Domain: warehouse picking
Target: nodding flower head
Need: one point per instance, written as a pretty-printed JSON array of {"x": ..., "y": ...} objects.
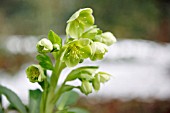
[
  {"x": 44, "y": 46},
  {"x": 35, "y": 73},
  {"x": 98, "y": 50},
  {"x": 79, "y": 21}
]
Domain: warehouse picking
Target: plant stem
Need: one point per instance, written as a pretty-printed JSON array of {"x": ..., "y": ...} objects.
[{"x": 50, "y": 103}]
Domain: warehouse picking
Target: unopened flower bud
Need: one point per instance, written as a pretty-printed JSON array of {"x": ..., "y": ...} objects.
[
  {"x": 98, "y": 50},
  {"x": 86, "y": 87},
  {"x": 35, "y": 73},
  {"x": 108, "y": 38},
  {"x": 96, "y": 82},
  {"x": 104, "y": 77},
  {"x": 56, "y": 47},
  {"x": 44, "y": 46}
]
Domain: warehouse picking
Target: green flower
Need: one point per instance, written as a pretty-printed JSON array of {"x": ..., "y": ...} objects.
[
  {"x": 35, "y": 73},
  {"x": 86, "y": 87},
  {"x": 108, "y": 38},
  {"x": 98, "y": 50},
  {"x": 104, "y": 77},
  {"x": 75, "y": 51},
  {"x": 44, "y": 46},
  {"x": 79, "y": 21}
]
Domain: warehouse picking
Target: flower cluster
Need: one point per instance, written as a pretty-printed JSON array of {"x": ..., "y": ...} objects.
[
  {"x": 88, "y": 38},
  {"x": 84, "y": 40}
]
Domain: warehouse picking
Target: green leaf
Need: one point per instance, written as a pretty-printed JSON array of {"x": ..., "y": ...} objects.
[
  {"x": 79, "y": 72},
  {"x": 34, "y": 101},
  {"x": 54, "y": 38},
  {"x": 13, "y": 99},
  {"x": 45, "y": 61},
  {"x": 78, "y": 110},
  {"x": 67, "y": 99}
]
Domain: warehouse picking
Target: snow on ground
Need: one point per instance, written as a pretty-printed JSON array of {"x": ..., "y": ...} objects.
[{"x": 140, "y": 69}]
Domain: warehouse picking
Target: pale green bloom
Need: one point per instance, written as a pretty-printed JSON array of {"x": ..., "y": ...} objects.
[
  {"x": 104, "y": 77},
  {"x": 86, "y": 87},
  {"x": 108, "y": 38},
  {"x": 44, "y": 46},
  {"x": 35, "y": 73},
  {"x": 75, "y": 51},
  {"x": 79, "y": 21},
  {"x": 98, "y": 50}
]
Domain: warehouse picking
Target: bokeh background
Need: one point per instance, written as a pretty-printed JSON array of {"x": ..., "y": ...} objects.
[{"x": 139, "y": 61}]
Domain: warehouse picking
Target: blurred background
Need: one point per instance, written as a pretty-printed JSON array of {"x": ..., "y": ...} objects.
[{"x": 139, "y": 61}]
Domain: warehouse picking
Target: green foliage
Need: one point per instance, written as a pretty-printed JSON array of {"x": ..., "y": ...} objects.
[
  {"x": 45, "y": 61},
  {"x": 55, "y": 39},
  {"x": 13, "y": 99},
  {"x": 34, "y": 101},
  {"x": 67, "y": 99}
]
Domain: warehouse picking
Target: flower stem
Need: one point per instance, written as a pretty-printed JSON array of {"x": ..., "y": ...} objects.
[{"x": 50, "y": 103}]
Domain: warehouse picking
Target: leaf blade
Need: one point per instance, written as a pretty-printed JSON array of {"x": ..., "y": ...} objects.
[{"x": 13, "y": 99}]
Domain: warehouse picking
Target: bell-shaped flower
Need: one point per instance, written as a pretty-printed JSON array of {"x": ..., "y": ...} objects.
[
  {"x": 104, "y": 77},
  {"x": 98, "y": 50},
  {"x": 86, "y": 87},
  {"x": 75, "y": 51},
  {"x": 44, "y": 46},
  {"x": 35, "y": 73},
  {"x": 79, "y": 21},
  {"x": 108, "y": 38}
]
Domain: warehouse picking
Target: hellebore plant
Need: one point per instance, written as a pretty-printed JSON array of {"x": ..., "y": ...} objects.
[{"x": 83, "y": 40}]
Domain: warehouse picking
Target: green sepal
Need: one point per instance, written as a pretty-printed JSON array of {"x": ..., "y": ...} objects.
[
  {"x": 79, "y": 21},
  {"x": 45, "y": 61},
  {"x": 75, "y": 51},
  {"x": 35, "y": 73},
  {"x": 91, "y": 33},
  {"x": 80, "y": 72}
]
